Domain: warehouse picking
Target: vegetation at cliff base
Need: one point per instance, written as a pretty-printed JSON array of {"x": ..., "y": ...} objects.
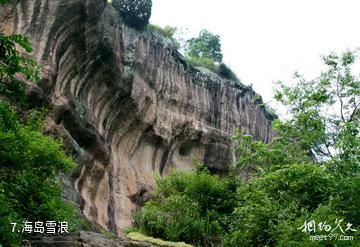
[
  {"x": 190, "y": 207},
  {"x": 29, "y": 165},
  {"x": 304, "y": 182}
]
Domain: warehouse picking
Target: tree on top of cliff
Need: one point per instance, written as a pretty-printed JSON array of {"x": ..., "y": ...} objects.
[
  {"x": 207, "y": 45},
  {"x": 205, "y": 51},
  {"x": 136, "y": 13}
]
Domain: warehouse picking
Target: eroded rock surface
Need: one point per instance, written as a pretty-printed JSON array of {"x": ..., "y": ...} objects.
[{"x": 127, "y": 104}]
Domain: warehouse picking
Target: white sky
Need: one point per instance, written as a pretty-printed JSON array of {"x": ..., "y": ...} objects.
[{"x": 268, "y": 40}]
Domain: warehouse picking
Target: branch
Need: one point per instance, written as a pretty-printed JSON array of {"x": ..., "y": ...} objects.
[
  {"x": 353, "y": 113},
  {"x": 340, "y": 98},
  {"x": 328, "y": 153}
]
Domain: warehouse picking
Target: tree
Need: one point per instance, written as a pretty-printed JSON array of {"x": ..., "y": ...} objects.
[
  {"x": 310, "y": 170},
  {"x": 136, "y": 13},
  {"x": 324, "y": 123},
  {"x": 207, "y": 45},
  {"x": 326, "y": 114},
  {"x": 13, "y": 63}
]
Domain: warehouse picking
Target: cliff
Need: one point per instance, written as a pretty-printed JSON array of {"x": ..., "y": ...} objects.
[{"x": 127, "y": 104}]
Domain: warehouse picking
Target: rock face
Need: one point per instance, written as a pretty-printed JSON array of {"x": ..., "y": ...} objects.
[{"x": 127, "y": 104}]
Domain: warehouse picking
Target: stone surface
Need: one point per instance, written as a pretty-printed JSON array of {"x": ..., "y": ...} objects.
[
  {"x": 127, "y": 104},
  {"x": 81, "y": 239}
]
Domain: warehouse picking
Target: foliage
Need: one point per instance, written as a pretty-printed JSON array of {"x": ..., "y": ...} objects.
[
  {"x": 136, "y": 13},
  {"x": 326, "y": 114},
  {"x": 202, "y": 62},
  {"x": 324, "y": 124},
  {"x": 191, "y": 207},
  {"x": 29, "y": 165},
  {"x": 307, "y": 171},
  {"x": 205, "y": 51},
  {"x": 222, "y": 70},
  {"x": 259, "y": 157},
  {"x": 11, "y": 62},
  {"x": 4, "y": 1},
  {"x": 167, "y": 31},
  {"x": 207, "y": 45},
  {"x": 226, "y": 72},
  {"x": 289, "y": 234},
  {"x": 7, "y": 216},
  {"x": 281, "y": 195}
]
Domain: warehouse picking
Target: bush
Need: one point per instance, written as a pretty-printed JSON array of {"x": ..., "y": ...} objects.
[
  {"x": 288, "y": 233},
  {"x": 204, "y": 210},
  {"x": 202, "y": 62},
  {"x": 190, "y": 207},
  {"x": 166, "y": 31},
  {"x": 226, "y": 72},
  {"x": 272, "y": 207},
  {"x": 222, "y": 70},
  {"x": 136, "y": 13}
]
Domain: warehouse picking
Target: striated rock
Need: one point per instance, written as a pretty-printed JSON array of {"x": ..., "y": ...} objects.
[{"x": 127, "y": 104}]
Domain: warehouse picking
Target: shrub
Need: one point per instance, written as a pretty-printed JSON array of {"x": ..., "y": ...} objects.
[
  {"x": 288, "y": 233},
  {"x": 202, "y": 62},
  {"x": 272, "y": 207},
  {"x": 190, "y": 207},
  {"x": 167, "y": 31},
  {"x": 222, "y": 70},
  {"x": 226, "y": 72},
  {"x": 136, "y": 13}
]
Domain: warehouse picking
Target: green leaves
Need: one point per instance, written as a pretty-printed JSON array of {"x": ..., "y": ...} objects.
[
  {"x": 207, "y": 45},
  {"x": 11, "y": 62},
  {"x": 5, "y": 1},
  {"x": 325, "y": 113},
  {"x": 191, "y": 207},
  {"x": 136, "y": 13},
  {"x": 310, "y": 169},
  {"x": 22, "y": 41},
  {"x": 29, "y": 166}
]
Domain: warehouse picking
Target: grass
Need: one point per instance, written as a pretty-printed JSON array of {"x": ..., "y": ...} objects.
[
  {"x": 166, "y": 31},
  {"x": 220, "y": 69},
  {"x": 136, "y": 236},
  {"x": 202, "y": 62}
]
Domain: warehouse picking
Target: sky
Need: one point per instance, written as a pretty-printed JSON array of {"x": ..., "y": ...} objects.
[{"x": 265, "y": 41}]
